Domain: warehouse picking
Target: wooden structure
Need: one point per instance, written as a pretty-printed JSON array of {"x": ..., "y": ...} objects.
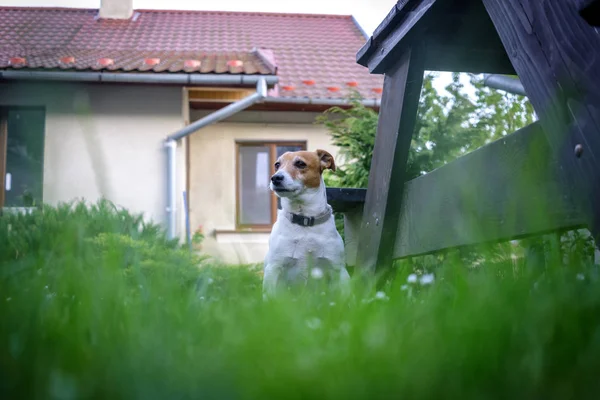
[{"x": 540, "y": 179}]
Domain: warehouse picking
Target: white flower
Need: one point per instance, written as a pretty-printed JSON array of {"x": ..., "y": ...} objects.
[
  {"x": 316, "y": 273},
  {"x": 580, "y": 277},
  {"x": 209, "y": 281},
  {"x": 412, "y": 278},
  {"x": 427, "y": 279},
  {"x": 313, "y": 323},
  {"x": 403, "y": 287},
  {"x": 332, "y": 304},
  {"x": 380, "y": 295}
]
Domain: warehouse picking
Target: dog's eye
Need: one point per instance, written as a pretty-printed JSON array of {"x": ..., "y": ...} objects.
[
  {"x": 277, "y": 165},
  {"x": 300, "y": 164}
]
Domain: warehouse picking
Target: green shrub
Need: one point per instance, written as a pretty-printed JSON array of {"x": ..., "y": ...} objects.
[
  {"x": 100, "y": 310},
  {"x": 101, "y": 231}
]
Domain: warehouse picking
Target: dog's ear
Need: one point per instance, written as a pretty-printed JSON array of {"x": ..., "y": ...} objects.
[{"x": 326, "y": 160}]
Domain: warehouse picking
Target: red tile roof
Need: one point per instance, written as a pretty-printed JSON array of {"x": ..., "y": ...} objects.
[
  {"x": 313, "y": 55},
  {"x": 137, "y": 61}
]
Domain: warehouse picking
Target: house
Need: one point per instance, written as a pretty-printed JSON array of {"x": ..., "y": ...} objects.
[{"x": 89, "y": 97}]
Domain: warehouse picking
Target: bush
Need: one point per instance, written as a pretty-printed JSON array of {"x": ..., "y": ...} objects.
[
  {"x": 107, "y": 235},
  {"x": 98, "y": 308}
]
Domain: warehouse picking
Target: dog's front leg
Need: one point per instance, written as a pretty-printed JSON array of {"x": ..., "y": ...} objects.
[{"x": 270, "y": 279}]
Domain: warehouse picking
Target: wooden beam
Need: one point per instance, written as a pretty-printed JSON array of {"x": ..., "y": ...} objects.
[
  {"x": 380, "y": 53},
  {"x": 556, "y": 54},
  {"x": 455, "y": 57},
  {"x": 352, "y": 222},
  {"x": 506, "y": 190},
  {"x": 267, "y": 106},
  {"x": 345, "y": 199},
  {"x": 458, "y": 33},
  {"x": 401, "y": 90},
  {"x": 590, "y": 11}
]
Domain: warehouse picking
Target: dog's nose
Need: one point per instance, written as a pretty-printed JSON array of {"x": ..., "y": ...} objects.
[{"x": 277, "y": 179}]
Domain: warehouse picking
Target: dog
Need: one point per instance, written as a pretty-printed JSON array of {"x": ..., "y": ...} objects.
[{"x": 304, "y": 243}]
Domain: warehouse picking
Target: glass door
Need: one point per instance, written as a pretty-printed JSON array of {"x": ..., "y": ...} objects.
[{"x": 22, "y": 157}]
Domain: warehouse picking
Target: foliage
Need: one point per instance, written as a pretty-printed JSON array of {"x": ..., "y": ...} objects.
[
  {"x": 447, "y": 126},
  {"x": 103, "y": 232},
  {"x": 498, "y": 113},
  {"x": 74, "y": 326},
  {"x": 353, "y": 132},
  {"x": 441, "y": 130}
]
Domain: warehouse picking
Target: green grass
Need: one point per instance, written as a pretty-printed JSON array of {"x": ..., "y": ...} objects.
[{"x": 96, "y": 305}]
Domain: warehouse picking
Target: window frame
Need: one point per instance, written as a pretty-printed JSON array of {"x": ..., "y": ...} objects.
[
  {"x": 4, "y": 114},
  {"x": 272, "y": 145}
]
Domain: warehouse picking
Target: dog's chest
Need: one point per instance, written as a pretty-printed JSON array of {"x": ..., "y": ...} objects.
[{"x": 291, "y": 241}]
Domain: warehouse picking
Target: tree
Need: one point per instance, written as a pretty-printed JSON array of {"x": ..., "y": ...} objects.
[
  {"x": 498, "y": 113},
  {"x": 447, "y": 127}
]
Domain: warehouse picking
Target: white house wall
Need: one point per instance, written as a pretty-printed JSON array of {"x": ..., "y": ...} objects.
[
  {"x": 212, "y": 178},
  {"x": 105, "y": 141}
]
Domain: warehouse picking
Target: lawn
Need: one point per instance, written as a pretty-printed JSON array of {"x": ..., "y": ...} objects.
[{"x": 96, "y": 304}]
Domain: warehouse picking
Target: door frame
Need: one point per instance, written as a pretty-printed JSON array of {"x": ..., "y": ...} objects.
[{"x": 4, "y": 109}]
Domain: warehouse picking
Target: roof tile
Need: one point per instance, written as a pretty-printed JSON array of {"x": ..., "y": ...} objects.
[{"x": 308, "y": 52}]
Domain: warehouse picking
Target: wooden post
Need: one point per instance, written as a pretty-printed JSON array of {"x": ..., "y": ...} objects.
[
  {"x": 556, "y": 54},
  {"x": 401, "y": 91},
  {"x": 352, "y": 221}
]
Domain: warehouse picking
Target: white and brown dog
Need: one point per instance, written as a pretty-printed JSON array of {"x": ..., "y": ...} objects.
[{"x": 304, "y": 241}]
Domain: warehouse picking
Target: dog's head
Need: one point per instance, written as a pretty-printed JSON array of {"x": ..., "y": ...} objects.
[{"x": 298, "y": 171}]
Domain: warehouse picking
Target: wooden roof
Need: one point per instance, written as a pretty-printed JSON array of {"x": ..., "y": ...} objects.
[{"x": 457, "y": 35}]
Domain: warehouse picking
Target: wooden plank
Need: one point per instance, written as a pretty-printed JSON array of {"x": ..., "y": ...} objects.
[
  {"x": 456, "y": 57},
  {"x": 401, "y": 90},
  {"x": 505, "y": 190},
  {"x": 345, "y": 199},
  {"x": 384, "y": 49},
  {"x": 556, "y": 54},
  {"x": 590, "y": 11},
  {"x": 3, "y": 141},
  {"x": 459, "y": 36},
  {"x": 352, "y": 222},
  {"x": 516, "y": 193}
]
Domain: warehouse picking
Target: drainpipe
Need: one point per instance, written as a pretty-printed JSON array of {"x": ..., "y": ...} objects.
[
  {"x": 505, "y": 83},
  {"x": 171, "y": 145}
]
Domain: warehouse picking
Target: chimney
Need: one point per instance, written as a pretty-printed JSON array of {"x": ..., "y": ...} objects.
[{"x": 116, "y": 9}]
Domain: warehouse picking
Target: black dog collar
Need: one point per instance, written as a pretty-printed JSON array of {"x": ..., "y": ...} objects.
[{"x": 303, "y": 220}]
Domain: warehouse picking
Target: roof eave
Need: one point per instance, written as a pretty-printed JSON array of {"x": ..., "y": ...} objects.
[
  {"x": 139, "y": 78},
  {"x": 395, "y": 27},
  {"x": 360, "y": 28}
]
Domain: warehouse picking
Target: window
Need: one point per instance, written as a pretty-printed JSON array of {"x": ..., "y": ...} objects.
[
  {"x": 21, "y": 156},
  {"x": 256, "y": 204}
]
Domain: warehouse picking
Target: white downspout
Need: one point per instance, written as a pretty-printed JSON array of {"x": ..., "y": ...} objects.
[{"x": 171, "y": 146}]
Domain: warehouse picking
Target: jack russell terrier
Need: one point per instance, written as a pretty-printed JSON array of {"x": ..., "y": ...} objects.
[{"x": 304, "y": 241}]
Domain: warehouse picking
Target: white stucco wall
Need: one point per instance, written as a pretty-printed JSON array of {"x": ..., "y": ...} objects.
[
  {"x": 212, "y": 177},
  {"x": 106, "y": 141}
]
